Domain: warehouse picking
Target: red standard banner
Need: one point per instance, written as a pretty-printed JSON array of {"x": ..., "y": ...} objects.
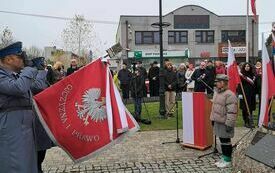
[{"x": 83, "y": 113}]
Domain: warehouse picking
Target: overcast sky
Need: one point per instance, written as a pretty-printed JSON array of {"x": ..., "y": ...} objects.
[{"x": 47, "y": 32}]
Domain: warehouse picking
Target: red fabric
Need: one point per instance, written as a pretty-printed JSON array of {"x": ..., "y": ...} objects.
[
  {"x": 271, "y": 89},
  {"x": 60, "y": 105},
  {"x": 199, "y": 119},
  {"x": 253, "y": 7},
  {"x": 115, "y": 108},
  {"x": 234, "y": 77}
]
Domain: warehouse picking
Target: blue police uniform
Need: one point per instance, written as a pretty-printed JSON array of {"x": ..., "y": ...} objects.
[{"x": 17, "y": 146}]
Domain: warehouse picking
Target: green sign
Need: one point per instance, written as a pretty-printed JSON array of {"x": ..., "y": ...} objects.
[
  {"x": 138, "y": 54},
  {"x": 186, "y": 53},
  {"x": 155, "y": 54}
]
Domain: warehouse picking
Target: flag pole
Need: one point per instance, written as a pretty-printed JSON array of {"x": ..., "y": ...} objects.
[
  {"x": 245, "y": 100},
  {"x": 247, "y": 30}
]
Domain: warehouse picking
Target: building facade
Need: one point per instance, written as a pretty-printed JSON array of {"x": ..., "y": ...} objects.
[{"x": 194, "y": 32}]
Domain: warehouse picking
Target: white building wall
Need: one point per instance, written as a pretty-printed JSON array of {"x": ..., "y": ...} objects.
[{"x": 217, "y": 23}]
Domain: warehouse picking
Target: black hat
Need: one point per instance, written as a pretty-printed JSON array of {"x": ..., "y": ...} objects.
[{"x": 13, "y": 49}]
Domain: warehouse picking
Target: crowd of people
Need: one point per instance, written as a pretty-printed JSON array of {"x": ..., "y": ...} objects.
[
  {"x": 186, "y": 77},
  {"x": 19, "y": 82}
]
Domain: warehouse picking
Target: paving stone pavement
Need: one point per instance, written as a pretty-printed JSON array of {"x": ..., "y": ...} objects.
[{"x": 141, "y": 152}]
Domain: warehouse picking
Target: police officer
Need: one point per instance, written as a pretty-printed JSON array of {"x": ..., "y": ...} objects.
[{"x": 17, "y": 146}]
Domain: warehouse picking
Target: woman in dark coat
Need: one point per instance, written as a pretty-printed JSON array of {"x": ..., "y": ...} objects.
[{"x": 248, "y": 81}]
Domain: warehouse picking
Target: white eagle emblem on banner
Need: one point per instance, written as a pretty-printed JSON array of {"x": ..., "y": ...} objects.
[{"x": 93, "y": 106}]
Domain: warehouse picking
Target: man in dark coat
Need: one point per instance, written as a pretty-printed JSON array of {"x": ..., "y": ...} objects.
[
  {"x": 124, "y": 76},
  {"x": 200, "y": 76},
  {"x": 211, "y": 71},
  {"x": 17, "y": 145},
  {"x": 137, "y": 92},
  {"x": 143, "y": 73},
  {"x": 153, "y": 76},
  {"x": 170, "y": 84},
  {"x": 73, "y": 67}
]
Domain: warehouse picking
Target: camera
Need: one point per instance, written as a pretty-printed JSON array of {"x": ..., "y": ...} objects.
[{"x": 38, "y": 62}]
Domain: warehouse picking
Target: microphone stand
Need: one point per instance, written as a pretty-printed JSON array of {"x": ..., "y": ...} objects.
[
  {"x": 177, "y": 121},
  {"x": 201, "y": 80}
]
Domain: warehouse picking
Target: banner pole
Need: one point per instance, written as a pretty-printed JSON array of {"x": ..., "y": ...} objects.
[
  {"x": 245, "y": 100},
  {"x": 247, "y": 32}
]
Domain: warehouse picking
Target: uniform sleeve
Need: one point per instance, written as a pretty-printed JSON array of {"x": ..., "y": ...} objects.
[
  {"x": 40, "y": 82},
  {"x": 19, "y": 86},
  {"x": 231, "y": 110}
]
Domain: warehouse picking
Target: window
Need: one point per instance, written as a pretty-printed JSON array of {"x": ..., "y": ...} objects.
[
  {"x": 233, "y": 36},
  {"x": 191, "y": 21},
  {"x": 175, "y": 37},
  {"x": 147, "y": 37},
  {"x": 138, "y": 38},
  {"x": 205, "y": 36}
]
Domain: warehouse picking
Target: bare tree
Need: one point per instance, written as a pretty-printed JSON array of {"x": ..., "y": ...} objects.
[
  {"x": 33, "y": 52},
  {"x": 6, "y": 37},
  {"x": 78, "y": 36}
]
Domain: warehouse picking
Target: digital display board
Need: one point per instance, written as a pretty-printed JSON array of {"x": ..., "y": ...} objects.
[{"x": 191, "y": 22}]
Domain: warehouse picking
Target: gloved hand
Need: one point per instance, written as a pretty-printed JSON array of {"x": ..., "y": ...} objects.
[
  {"x": 229, "y": 129},
  {"x": 39, "y": 63},
  {"x": 240, "y": 96}
]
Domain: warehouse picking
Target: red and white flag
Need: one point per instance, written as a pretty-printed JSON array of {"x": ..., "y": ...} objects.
[
  {"x": 268, "y": 86},
  {"x": 232, "y": 70},
  {"x": 253, "y": 7},
  {"x": 83, "y": 113}
]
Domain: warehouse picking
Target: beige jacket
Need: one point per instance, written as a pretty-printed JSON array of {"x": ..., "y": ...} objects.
[{"x": 224, "y": 108}]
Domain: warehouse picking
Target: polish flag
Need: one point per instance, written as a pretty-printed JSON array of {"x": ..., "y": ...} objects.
[
  {"x": 253, "y": 7},
  {"x": 268, "y": 84},
  {"x": 197, "y": 131},
  {"x": 83, "y": 113},
  {"x": 232, "y": 70}
]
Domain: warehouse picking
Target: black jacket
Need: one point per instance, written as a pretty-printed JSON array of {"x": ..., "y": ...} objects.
[
  {"x": 124, "y": 76},
  {"x": 170, "y": 78},
  {"x": 211, "y": 71},
  {"x": 143, "y": 72},
  {"x": 137, "y": 86},
  {"x": 71, "y": 70},
  {"x": 199, "y": 85},
  {"x": 250, "y": 92},
  {"x": 153, "y": 72}
]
